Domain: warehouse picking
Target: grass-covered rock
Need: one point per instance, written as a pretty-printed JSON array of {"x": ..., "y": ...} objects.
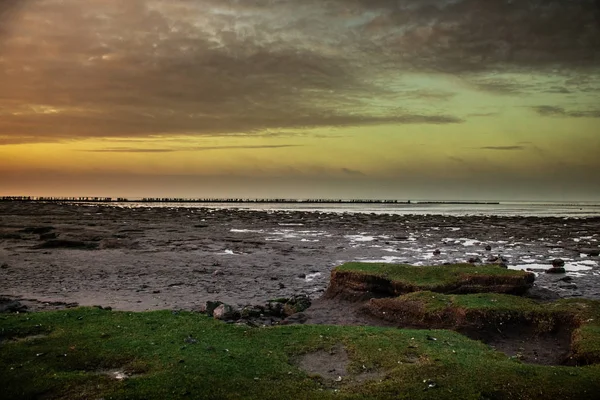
[
  {"x": 499, "y": 313},
  {"x": 89, "y": 353},
  {"x": 360, "y": 281}
]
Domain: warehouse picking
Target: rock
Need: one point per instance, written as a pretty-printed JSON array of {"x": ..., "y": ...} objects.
[
  {"x": 281, "y": 285},
  {"x": 474, "y": 260},
  {"x": 302, "y": 276},
  {"x": 275, "y": 309},
  {"x": 218, "y": 272},
  {"x": 296, "y": 304},
  {"x": 210, "y": 307},
  {"x": 11, "y": 306},
  {"x": 437, "y": 252},
  {"x": 556, "y": 263},
  {"x": 488, "y": 247},
  {"x": 566, "y": 279},
  {"x": 298, "y": 318},
  {"x": 568, "y": 286},
  {"x": 225, "y": 312},
  {"x": 539, "y": 293},
  {"x": 251, "y": 312},
  {"x": 4, "y": 266},
  {"x": 556, "y": 270}
]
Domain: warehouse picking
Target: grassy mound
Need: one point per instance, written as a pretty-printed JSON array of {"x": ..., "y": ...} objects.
[
  {"x": 498, "y": 311},
  {"x": 83, "y": 354},
  {"x": 360, "y": 281}
]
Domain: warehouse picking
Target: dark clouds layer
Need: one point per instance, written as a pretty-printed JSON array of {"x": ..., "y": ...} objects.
[{"x": 108, "y": 68}]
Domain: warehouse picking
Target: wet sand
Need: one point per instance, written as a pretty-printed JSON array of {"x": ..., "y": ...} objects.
[{"x": 178, "y": 258}]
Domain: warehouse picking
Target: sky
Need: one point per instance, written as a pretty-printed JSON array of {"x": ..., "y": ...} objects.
[{"x": 390, "y": 99}]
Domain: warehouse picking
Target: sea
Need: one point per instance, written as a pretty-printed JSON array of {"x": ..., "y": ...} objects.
[{"x": 513, "y": 208}]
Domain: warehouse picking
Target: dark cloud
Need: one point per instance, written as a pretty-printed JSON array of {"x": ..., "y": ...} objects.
[
  {"x": 553, "y": 111},
  {"x": 472, "y": 35},
  {"x": 228, "y": 67},
  {"x": 156, "y": 67}
]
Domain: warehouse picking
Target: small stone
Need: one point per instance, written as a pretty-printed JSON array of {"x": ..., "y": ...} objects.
[
  {"x": 218, "y": 272},
  {"x": 225, "y": 312},
  {"x": 302, "y": 276},
  {"x": 437, "y": 252},
  {"x": 281, "y": 285},
  {"x": 556, "y": 263},
  {"x": 566, "y": 279},
  {"x": 488, "y": 247},
  {"x": 190, "y": 340},
  {"x": 556, "y": 270},
  {"x": 474, "y": 260},
  {"x": 211, "y": 306}
]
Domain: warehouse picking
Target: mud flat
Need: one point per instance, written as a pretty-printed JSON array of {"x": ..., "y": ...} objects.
[{"x": 149, "y": 258}]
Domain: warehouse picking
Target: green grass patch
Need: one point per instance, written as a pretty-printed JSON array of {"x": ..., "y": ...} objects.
[
  {"x": 72, "y": 354},
  {"x": 396, "y": 279},
  {"x": 493, "y": 309}
]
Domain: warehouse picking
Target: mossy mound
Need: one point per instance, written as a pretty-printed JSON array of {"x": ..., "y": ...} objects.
[
  {"x": 482, "y": 312},
  {"x": 361, "y": 281},
  {"x": 90, "y": 353}
]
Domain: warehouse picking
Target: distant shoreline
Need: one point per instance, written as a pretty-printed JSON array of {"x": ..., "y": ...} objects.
[{"x": 243, "y": 201}]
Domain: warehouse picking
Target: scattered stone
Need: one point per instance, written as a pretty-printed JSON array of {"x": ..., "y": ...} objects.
[
  {"x": 298, "y": 318},
  {"x": 556, "y": 270},
  {"x": 281, "y": 285},
  {"x": 540, "y": 293},
  {"x": 474, "y": 260},
  {"x": 11, "y": 306},
  {"x": 210, "y": 307},
  {"x": 568, "y": 286},
  {"x": 218, "y": 272},
  {"x": 566, "y": 279},
  {"x": 488, "y": 248},
  {"x": 302, "y": 276},
  {"x": 190, "y": 340},
  {"x": 225, "y": 312},
  {"x": 557, "y": 263},
  {"x": 437, "y": 252},
  {"x": 296, "y": 304}
]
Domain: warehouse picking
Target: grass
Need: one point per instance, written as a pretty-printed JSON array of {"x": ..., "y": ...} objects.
[
  {"x": 456, "y": 311},
  {"x": 68, "y": 354},
  {"x": 395, "y": 279}
]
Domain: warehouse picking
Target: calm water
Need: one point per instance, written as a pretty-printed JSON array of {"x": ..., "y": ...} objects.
[{"x": 547, "y": 209}]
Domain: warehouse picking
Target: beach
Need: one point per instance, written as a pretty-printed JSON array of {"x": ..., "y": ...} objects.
[{"x": 149, "y": 258}]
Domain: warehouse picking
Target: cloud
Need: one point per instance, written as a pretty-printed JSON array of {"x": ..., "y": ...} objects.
[
  {"x": 554, "y": 111},
  {"x": 227, "y": 67},
  {"x": 352, "y": 172},
  {"x": 161, "y": 67},
  {"x": 179, "y": 149},
  {"x": 503, "y": 148}
]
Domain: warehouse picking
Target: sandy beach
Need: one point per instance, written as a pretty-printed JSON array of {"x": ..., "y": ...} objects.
[{"x": 151, "y": 258}]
